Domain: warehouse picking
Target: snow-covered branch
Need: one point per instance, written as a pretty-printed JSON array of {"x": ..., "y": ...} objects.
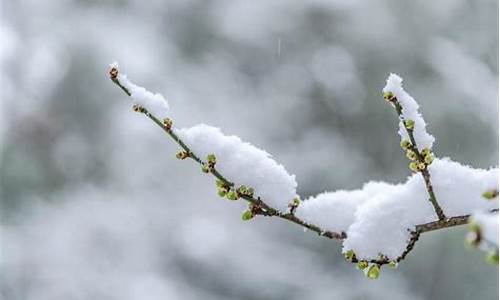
[
  {"x": 415, "y": 140},
  {"x": 378, "y": 224}
]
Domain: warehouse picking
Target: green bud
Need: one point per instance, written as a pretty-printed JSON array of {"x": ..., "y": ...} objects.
[
  {"x": 492, "y": 257},
  {"x": 393, "y": 264},
  {"x": 405, "y": 144},
  {"x": 409, "y": 124},
  {"x": 211, "y": 159},
  {"x": 219, "y": 183},
  {"x": 420, "y": 166},
  {"x": 428, "y": 158},
  {"x": 373, "y": 271},
  {"x": 232, "y": 195},
  {"x": 490, "y": 194},
  {"x": 296, "y": 201},
  {"x": 167, "y": 123},
  {"x": 388, "y": 96},
  {"x": 250, "y": 192},
  {"x": 243, "y": 190},
  {"x": 362, "y": 264},
  {"x": 247, "y": 215},
  {"x": 222, "y": 192},
  {"x": 426, "y": 151},
  {"x": 205, "y": 168},
  {"x": 413, "y": 166},
  {"x": 349, "y": 255},
  {"x": 411, "y": 155}
]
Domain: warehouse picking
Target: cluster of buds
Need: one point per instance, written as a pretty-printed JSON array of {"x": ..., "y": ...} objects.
[
  {"x": 409, "y": 124},
  {"x": 167, "y": 123},
  {"x": 252, "y": 210},
  {"x": 362, "y": 264},
  {"x": 417, "y": 166},
  {"x": 225, "y": 191},
  {"x": 210, "y": 164},
  {"x": 243, "y": 190},
  {"x": 428, "y": 156},
  {"x": 138, "y": 108},
  {"x": 222, "y": 188},
  {"x": 389, "y": 97},
  {"x": 418, "y": 162},
  {"x": 232, "y": 195},
  {"x": 182, "y": 155},
  {"x": 211, "y": 160},
  {"x": 350, "y": 256},
  {"x": 294, "y": 204},
  {"x": 371, "y": 269},
  {"x": 113, "y": 71}
]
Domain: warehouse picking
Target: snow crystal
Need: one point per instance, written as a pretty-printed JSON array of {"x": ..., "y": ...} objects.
[
  {"x": 410, "y": 112},
  {"x": 243, "y": 164},
  {"x": 489, "y": 226},
  {"x": 154, "y": 103},
  {"x": 379, "y": 217}
]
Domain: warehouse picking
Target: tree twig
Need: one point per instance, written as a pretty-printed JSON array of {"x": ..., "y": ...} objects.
[
  {"x": 264, "y": 209},
  {"x": 261, "y": 208},
  {"x": 425, "y": 172}
]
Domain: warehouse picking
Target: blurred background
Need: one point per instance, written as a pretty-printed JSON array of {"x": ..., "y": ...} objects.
[{"x": 95, "y": 206}]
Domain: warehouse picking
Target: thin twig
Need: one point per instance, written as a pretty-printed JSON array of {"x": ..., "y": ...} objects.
[
  {"x": 425, "y": 172},
  {"x": 264, "y": 209}
]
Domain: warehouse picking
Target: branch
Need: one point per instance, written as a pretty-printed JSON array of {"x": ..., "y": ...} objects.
[
  {"x": 422, "y": 164},
  {"x": 423, "y": 228},
  {"x": 259, "y": 207}
]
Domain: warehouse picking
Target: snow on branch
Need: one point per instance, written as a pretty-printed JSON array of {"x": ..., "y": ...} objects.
[
  {"x": 380, "y": 217},
  {"x": 154, "y": 103},
  {"x": 410, "y": 116},
  {"x": 244, "y": 163},
  {"x": 414, "y": 138},
  {"x": 378, "y": 224}
]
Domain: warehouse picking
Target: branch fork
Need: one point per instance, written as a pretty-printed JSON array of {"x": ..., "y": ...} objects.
[{"x": 257, "y": 206}]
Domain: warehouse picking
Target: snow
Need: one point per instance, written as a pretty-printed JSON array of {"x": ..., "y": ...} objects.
[
  {"x": 334, "y": 211},
  {"x": 410, "y": 112},
  {"x": 488, "y": 223},
  {"x": 243, "y": 164},
  {"x": 154, "y": 103},
  {"x": 379, "y": 217}
]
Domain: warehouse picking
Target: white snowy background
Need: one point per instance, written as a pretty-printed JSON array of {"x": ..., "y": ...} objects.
[{"x": 95, "y": 206}]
